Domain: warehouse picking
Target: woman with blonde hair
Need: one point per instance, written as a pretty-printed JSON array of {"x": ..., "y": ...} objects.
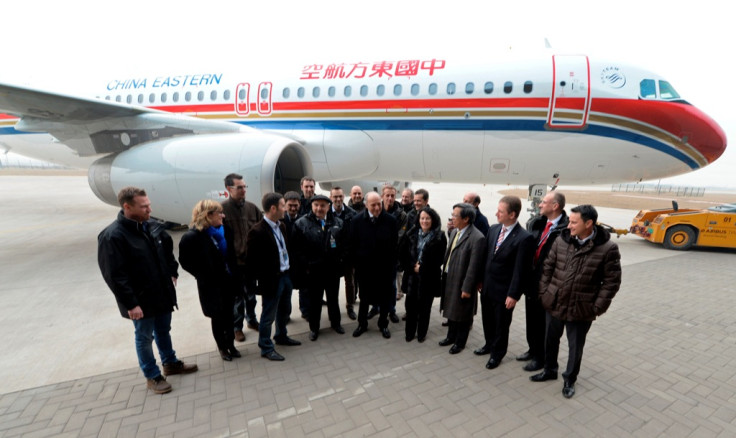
[{"x": 207, "y": 252}]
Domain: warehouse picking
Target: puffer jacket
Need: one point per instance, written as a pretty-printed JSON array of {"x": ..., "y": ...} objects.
[{"x": 579, "y": 282}]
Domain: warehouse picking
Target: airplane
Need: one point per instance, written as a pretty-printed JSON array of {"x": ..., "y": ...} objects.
[{"x": 536, "y": 120}]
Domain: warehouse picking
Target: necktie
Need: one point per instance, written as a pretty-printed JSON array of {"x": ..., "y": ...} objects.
[
  {"x": 452, "y": 248},
  {"x": 500, "y": 237},
  {"x": 545, "y": 235}
]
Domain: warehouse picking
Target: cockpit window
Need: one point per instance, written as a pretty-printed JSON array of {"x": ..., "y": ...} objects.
[
  {"x": 648, "y": 89},
  {"x": 667, "y": 91}
]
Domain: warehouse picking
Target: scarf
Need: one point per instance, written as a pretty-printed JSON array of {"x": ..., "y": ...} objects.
[
  {"x": 218, "y": 236},
  {"x": 422, "y": 239}
]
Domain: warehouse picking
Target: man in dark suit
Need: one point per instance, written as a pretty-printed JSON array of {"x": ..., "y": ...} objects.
[
  {"x": 372, "y": 250},
  {"x": 545, "y": 229},
  {"x": 507, "y": 275},
  {"x": 268, "y": 272}
]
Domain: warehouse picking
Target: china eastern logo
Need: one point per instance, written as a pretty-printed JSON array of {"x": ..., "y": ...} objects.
[{"x": 613, "y": 77}]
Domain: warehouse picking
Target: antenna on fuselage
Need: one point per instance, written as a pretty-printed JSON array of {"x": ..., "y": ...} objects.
[{"x": 547, "y": 45}]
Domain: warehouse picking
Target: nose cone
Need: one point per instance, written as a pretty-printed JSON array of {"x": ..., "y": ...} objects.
[{"x": 705, "y": 135}]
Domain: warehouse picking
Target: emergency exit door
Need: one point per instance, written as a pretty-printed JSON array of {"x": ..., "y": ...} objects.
[{"x": 570, "y": 101}]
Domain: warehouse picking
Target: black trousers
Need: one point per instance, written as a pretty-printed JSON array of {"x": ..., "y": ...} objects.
[
  {"x": 363, "y": 314},
  {"x": 418, "y": 309},
  {"x": 458, "y": 331},
  {"x": 329, "y": 286},
  {"x": 496, "y": 325},
  {"x": 223, "y": 328},
  {"x": 576, "y": 333},
  {"x": 536, "y": 321}
]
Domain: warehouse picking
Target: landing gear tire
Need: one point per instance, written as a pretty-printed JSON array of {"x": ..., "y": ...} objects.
[{"x": 680, "y": 238}]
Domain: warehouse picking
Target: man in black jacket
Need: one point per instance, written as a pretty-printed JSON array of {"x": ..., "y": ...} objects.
[
  {"x": 318, "y": 252},
  {"x": 137, "y": 261},
  {"x": 544, "y": 229},
  {"x": 342, "y": 211}
]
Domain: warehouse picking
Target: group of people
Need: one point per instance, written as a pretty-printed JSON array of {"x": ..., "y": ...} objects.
[{"x": 567, "y": 268}]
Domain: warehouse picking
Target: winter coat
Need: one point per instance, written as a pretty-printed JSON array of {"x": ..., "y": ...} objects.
[
  {"x": 314, "y": 250},
  {"x": 372, "y": 252},
  {"x": 579, "y": 282},
  {"x": 464, "y": 273},
  {"x": 536, "y": 228},
  {"x": 263, "y": 264},
  {"x": 428, "y": 281}
]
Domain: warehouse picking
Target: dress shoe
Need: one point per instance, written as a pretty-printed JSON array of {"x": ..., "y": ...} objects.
[
  {"x": 524, "y": 357},
  {"x": 399, "y": 296},
  {"x": 234, "y": 352},
  {"x": 393, "y": 317},
  {"x": 179, "y": 367},
  {"x": 289, "y": 342},
  {"x": 421, "y": 339},
  {"x": 482, "y": 351},
  {"x": 403, "y": 317},
  {"x": 455, "y": 349},
  {"x": 409, "y": 338},
  {"x": 225, "y": 355},
  {"x": 533, "y": 365},
  {"x": 493, "y": 363},
  {"x": 544, "y": 376},
  {"x": 359, "y": 331},
  {"x": 313, "y": 336},
  {"x": 239, "y": 336},
  {"x": 352, "y": 315},
  {"x": 373, "y": 312},
  {"x": 386, "y": 334},
  {"x": 568, "y": 390},
  {"x": 253, "y": 325},
  {"x": 445, "y": 323},
  {"x": 338, "y": 329},
  {"x": 272, "y": 355},
  {"x": 445, "y": 342},
  {"x": 305, "y": 316}
]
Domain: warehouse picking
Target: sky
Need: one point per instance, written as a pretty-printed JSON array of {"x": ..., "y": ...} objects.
[{"x": 64, "y": 45}]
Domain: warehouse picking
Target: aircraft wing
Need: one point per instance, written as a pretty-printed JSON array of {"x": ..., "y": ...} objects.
[{"x": 93, "y": 126}]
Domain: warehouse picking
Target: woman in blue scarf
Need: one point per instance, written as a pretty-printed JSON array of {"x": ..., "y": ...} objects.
[
  {"x": 421, "y": 254},
  {"x": 207, "y": 252}
]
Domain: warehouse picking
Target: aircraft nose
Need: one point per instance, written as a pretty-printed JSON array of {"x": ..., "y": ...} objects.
[{"x": 707, "y": 137}]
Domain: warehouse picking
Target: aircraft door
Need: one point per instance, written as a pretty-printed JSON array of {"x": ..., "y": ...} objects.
[
  {"x": 264, "y": 98},
  {"x": 570, "y": 101},
  {"x": 242, "y": 99}
]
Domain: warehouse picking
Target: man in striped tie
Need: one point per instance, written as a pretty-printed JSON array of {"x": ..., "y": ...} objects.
[
  {"x": 507, "y": 275},
  {"x": 545, "y": 229}
]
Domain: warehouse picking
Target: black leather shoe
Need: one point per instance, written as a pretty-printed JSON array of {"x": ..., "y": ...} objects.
[
  {"x": 253, "y": 325},
  {"x": 524, "y": 357},
  {"x": 455, "y": 349},
  {"x": 313, "y": 336},
  {"x": 272, "y": 355},
  {"x": 445, "y": 342},
  {"x": 225, "y": 355},
  {"x": 373, "y": 312},
  {"x": 386, "y": 334},
  {"x": 289, "y": 342},
  {"x": 234, "y": 352},
  {"x": 445, "y": 323},
  {"x": 482, "y": 351},
  {"x": 568, "y": 390},
  {"x": 493, "y": 363},
  {"x": 421, "y": 339},
  {"x": 533, "y": 365},
  {"x": 394, "y": 317},
  {"x": 359, "y": 331},
  {"x": 544, "y": 376},
  {"x": 409, "y": 338},
  {"x": 338, "y": 329},
  {"x": 352, "y": 315}
]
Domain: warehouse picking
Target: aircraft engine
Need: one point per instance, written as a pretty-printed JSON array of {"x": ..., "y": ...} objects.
[{"x": 178, "y": 172}]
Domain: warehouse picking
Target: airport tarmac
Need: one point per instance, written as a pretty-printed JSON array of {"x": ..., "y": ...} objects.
[{"x": 659, "y": 363}]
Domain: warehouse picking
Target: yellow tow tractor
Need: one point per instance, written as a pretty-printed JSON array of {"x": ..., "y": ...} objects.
[{"x": 681, "y": 229}]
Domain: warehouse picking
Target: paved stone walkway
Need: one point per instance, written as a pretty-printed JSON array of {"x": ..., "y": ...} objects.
[{"x": 660, "y": 363}]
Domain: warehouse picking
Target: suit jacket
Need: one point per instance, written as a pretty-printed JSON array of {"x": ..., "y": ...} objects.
[
  {"x": 464, "y": 273},
  {"x": 508, "y": 271},
  {"x": 263, "y": 263},
  {"x": 372, "y": 250}
]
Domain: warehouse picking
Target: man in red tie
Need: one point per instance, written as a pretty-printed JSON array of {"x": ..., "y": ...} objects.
[
  {"x": 507, "y": 275},
  {"x": 545, "y": 229}
]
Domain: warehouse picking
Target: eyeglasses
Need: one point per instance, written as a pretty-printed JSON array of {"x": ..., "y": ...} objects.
[{"x": 243, "y": 187}]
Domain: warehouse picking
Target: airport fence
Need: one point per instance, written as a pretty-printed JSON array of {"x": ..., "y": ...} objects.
[{"x": 660, "y": 189}]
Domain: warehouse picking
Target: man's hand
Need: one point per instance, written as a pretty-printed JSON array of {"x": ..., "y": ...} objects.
[
  {"x": 135, "y": 313},
  {"x": 510, "y": 303},
  {"x": 464, "y": 295},
  {"x": 173, "y": 280}
]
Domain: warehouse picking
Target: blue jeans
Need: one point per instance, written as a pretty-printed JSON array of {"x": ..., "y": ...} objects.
[
  {"x": 146, "y": 330},
  {"x": 275, "y": 308}
]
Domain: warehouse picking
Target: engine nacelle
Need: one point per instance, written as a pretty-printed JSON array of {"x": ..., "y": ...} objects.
[{"x": 178, "y": 172}]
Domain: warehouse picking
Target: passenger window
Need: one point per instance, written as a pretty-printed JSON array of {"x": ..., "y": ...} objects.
[
  {"x": 264, "y": 93},
  {"x": 331, "y": 91},
  {"x": 225, "y": 95},
  {"x": 451, "y": 88},
  {"x": 151, "y": 98},
  {"x": 348, "y": 91},
  {"x": 315, "y": 92},
  {"x": 667, "y": 91},
  {"x": 508, "y": 87},
  {"x": 528, "y": 87},
  {"x": 364, "y": 90},
  {"x": 647, "y": 89},
  {"x": 414, "y": 89},
  {"x": 432, "y": 89},
  {"x": 163, "y": 97},
  {"x": 129, "y": 99},
  {"x": 286, "y": 93},
  {"x": 213, "y": 95},
  {"x": 397, "y": 90},
  {"x": 380, "y": 90},
  {"x": 469, "y": 88},
  {"x": 188, "y": 96},
  {"x": 488, "y": 87},
  {"x": 200, "y": 96},
  {"x": 300, "y": 92},
  {"x": 241, "y": 94},
  {"x": 118, "y": 98},
  {"x": 140, "y": 98},
  {"x": 175, "y": 97},
  {"x": 107, "y": 97}
]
